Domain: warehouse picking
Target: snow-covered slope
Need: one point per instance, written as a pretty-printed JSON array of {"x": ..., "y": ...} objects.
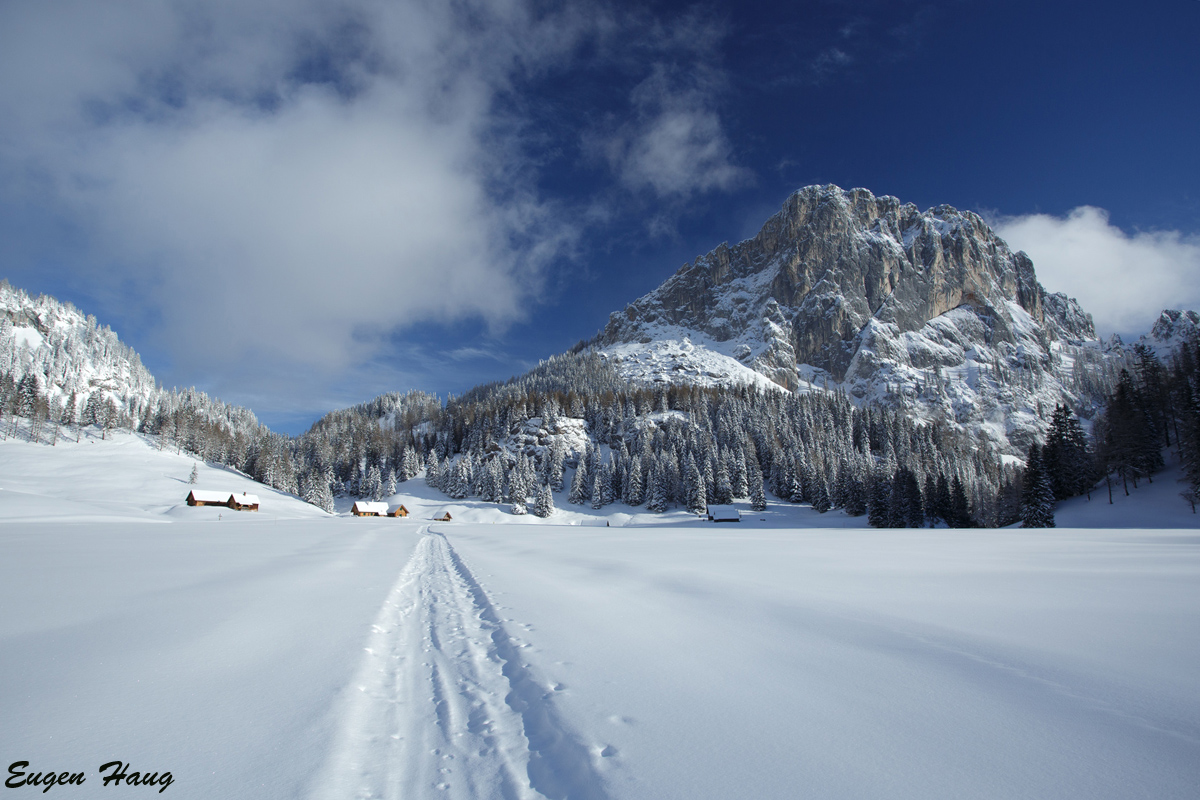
[
  {"x": 841, "y": 289},
  {"x": 67, "y": 352},
  {"x": 125, "y": 477}
]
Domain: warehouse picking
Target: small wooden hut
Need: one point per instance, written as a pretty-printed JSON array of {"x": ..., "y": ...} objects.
[
  {"x": 363, "y": 508},
  {"x": 243, "y": 502},
  {"x": 724, "y": 513},
  {"x": 445, "y": 517},
  {"x": 200, "y": 497},
  {"x": 398, "y": 511}
]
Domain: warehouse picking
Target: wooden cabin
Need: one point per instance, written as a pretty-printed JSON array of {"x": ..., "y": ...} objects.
[
  {"x": 200, "y": 497},
  {"x": 243, "y": 502},
  {"x": 720, "y": 513},
  {"x": 398, "y": 511},
  {"x": 363, "y": 508},
  {"x": 445, "y": 517}
]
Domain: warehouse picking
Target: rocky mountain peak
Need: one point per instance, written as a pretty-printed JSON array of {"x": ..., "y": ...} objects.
[
  {"x": 927, "y": 309},
  {"x": 830, "y": 262}
]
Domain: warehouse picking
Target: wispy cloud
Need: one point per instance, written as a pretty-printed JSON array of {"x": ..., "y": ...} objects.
[
  {"x": 1123, "y": 279},
  {"x": 673, "y": 143}
]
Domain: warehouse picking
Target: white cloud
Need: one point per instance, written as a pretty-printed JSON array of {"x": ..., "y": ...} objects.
[
  {"x": 678, "y": 150},
  {"x": 1123, "y": 280},
  {"x": 286, "y": 182},
  {"x": 674, "y": 142}
]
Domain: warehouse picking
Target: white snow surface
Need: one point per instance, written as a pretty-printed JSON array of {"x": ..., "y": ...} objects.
[
  {"x": 677, "y": 355},
  {"x": 125, "y": 476},
  {"x": 291, "y": 654}
]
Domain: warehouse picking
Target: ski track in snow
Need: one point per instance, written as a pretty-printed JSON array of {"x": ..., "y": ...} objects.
[{"x": 443, "y": 706}]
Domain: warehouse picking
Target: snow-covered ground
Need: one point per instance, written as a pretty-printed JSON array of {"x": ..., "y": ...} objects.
[
  {"x": 123, "y": 477},
  {"x": 291, "y": 654}
]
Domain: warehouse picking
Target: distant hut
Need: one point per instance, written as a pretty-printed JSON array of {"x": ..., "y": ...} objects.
[
  {"x": 718, "y": 513},
  {"x": 243, "y": 502},
  {"x": 362, "y": 508},
  {"x": 445, "y": 517},
  {"x": 200, "y": 497},
  {"x": 398, "y": 511}
]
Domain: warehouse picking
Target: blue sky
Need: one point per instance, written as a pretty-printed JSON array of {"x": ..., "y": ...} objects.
[{"x": 298, "y": 205}]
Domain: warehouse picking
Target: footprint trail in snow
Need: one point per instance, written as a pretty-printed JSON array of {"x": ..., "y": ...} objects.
[{"x": 444, "y": 707}]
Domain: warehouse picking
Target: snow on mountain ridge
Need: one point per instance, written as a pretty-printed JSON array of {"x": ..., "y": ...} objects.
[
  {"x": 67, "y": 351},
  {"x": 882, "y": 300}
]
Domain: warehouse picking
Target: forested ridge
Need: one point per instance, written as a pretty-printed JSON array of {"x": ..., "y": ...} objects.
[{"x": 573, "y": 431}]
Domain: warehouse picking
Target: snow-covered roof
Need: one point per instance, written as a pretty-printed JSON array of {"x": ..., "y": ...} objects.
[
  {"x": 365, "y": 507},
  {"x": 245, "y": 499},
  {"x": 205, "y": 496},
  {"x": 724, "y": 513}
]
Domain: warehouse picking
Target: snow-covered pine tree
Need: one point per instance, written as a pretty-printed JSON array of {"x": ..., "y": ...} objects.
[
  {"x": 580, "y": 486},
  {"x": 697, "y": 500},
  {"x": 929, "y": 493},
  {"x": 554, "y": 468},
  {"x": 635, "y": 490},
  {"x": 821, "y": 501},
  {"x": 456, "y": 484},
  {"x": 758, "y": 493},
  {"x": 723, "y": 484},
  {"x": 608, "y": 483},
  {"x": 740, "y": 483},
  {"x": 1066, "y": 456},
  {"x": 856, "y": 495},
  {"x": 544, "y": 505},
  {"x": 960, "y": 512},
  {"x": 598, "y": 490},
  {"x": 656, "y": 499},
  {"x": 879, "y": 500},
  {"x": 433, "y": 476},
  {"x": 373, "y": 484},
  {"x": 195, "y": 476},
  {"x": 1037, "y": 499}
]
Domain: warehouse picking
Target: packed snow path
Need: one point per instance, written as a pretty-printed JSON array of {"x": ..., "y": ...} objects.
[{"x": 443, "y": 705}]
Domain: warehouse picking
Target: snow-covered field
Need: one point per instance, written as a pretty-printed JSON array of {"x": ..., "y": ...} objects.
[{"x": 291, "y": 654}]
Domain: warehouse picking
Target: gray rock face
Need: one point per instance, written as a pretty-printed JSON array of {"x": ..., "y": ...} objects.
[{"x": 805, "y": 289}]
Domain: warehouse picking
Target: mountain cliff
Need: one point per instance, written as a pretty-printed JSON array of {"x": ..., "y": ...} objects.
[{"x": 927, "y": 309}]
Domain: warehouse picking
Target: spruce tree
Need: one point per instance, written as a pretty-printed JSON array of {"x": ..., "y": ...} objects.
[
  {"x": 657, "y": 495},
  {"x": 758, "y": 494},
  {"x": 960, "y": 512},
  {"x": 580, "y": 488},
  {"x": 195, "y": 476},
  {"x": 697, "y": 501},
  {"x": 879, "y": 501},
  {"x": 373, "y": 485},
  {"x": 856, "y": 496},
  {"x": 544, "y": 506},
  {"x": 1037, "y": 498},
  {"x": 433, "y": 471},
  {"x": 635, "y": 490},
  {"x": 723, "y": 485}
]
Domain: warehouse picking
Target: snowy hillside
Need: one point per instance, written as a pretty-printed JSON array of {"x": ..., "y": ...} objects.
[
  {"x": 69, "y": 355},
  {"x": 127, "y": 477}
]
